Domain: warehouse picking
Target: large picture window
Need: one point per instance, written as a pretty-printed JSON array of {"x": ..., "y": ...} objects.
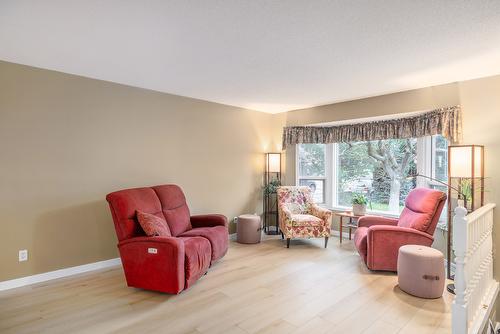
[{"x": 378, "y": 169}]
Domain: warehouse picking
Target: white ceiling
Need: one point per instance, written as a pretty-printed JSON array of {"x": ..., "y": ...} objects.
[{"x": 265, "y": 55}]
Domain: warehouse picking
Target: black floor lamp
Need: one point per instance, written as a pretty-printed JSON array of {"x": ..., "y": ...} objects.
[{"x": 272, "y": 179}]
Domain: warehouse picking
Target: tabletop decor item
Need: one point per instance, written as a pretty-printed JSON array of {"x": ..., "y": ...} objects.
[{"x": 359, "y": 202}]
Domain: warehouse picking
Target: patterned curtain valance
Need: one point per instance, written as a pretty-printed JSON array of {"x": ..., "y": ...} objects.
[{"x": 445, "y": 121}]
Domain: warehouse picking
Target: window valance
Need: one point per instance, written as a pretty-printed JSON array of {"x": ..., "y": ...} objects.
[{"x": 445, "y": 121}]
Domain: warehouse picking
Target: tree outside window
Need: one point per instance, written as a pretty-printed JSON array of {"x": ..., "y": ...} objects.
[{"x": 378, "y": 169}]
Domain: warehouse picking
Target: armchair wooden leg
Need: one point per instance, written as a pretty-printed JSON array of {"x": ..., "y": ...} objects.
[
  {"x": 282, "y": 236},
  {"x": 326, "y": 241},
  {"x": 287, "y": 242}
]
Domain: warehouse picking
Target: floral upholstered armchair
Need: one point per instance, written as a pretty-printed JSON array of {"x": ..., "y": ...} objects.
[{"x": 300, "y": 217}]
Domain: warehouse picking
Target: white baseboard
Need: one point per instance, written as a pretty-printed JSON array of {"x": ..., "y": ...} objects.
[{"x": 38, "y": 278}]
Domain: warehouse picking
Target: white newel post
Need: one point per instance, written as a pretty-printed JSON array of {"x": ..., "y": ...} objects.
[{"x": 459, "y": 308}]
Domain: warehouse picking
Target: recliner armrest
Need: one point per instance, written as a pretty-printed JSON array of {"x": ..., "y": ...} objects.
[
  {"x": 172, "y": 241},
  {"x": 154, "y": 263},
  {"x": 210, "y": 220},
  {"x": 398, "y": 230},
  {"x": 384, "y": 241},
  {"x": 367, "y": 221}
]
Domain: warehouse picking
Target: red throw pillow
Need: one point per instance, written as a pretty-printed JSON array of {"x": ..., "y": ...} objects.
[{"x": 153, "y": 225}]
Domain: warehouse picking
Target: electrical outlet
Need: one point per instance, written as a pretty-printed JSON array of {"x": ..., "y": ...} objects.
[
  {"x": 23, "y": 255},
  {"x": 235, "y": 220}
]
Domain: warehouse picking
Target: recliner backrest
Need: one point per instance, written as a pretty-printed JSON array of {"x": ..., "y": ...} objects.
[
  {"x": 125, "y": 203},
  {"x": 166, "y": 201},
  {"x": 174, "y": 207},
  {"x": 423, "y": 207}
]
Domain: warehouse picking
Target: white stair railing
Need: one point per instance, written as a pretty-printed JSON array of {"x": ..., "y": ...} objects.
[{"x": 475, "y": 287}]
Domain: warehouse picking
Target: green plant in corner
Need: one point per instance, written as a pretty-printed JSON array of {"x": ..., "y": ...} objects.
[
  {"x": 466, "y": 188},
  {"x": 359, "y": 199},
  {"x": 271, "y": 187}
]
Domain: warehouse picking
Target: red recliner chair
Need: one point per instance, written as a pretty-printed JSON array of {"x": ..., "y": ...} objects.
[
  {"x": 378, "y": 239},
  {"x": 166, "y": 264}
]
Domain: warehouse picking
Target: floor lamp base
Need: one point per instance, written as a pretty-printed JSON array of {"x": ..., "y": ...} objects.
[{"x": 451, "y": 288}]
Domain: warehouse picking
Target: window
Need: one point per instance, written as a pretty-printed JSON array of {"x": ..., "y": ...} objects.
[
  {"x": 378, "y": 169},
  {"x": 439, "y": 158},
  {"x": 312, "y": 169},
  {"x": 439, "y": 171}
]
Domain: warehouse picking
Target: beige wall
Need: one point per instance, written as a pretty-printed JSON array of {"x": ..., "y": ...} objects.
[{"x": 66, "y": 141}]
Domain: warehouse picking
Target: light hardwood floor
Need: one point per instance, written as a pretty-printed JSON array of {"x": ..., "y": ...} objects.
[{"x": 263, "y": 288}]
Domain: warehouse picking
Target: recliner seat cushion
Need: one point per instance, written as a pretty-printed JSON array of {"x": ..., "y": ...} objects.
[
  {"x": 217, "y": 235},
  {"x": 197, "y": 258}
]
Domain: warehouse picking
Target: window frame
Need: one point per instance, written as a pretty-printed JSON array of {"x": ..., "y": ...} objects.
[{"x": 425, "y": 166}]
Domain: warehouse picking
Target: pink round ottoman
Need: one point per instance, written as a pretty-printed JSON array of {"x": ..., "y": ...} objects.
[
  {"x": 248, "y": 229},
  {"x": 421, "y": 271}
]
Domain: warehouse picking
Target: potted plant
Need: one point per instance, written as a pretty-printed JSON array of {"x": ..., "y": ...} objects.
[
  {"x": 271, "y": 187},
  {"x": 359, "y": 202}
]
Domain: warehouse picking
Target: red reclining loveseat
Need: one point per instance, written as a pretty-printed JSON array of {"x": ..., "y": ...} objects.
[{"x": 166, "y": 264}]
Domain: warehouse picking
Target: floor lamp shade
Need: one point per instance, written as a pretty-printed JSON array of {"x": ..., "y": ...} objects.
[
  {"x": 273, "y": 162},
  {"x": 466, "y": 161}
]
